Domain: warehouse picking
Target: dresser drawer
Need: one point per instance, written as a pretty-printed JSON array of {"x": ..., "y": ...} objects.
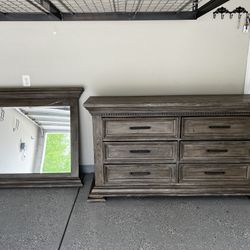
[
  {"x": 140, "y": 152},
  {"x": 141, "y": 127},
  {"x": 140, "y": 174},
  {"x": 216, "y": 127},
  {"x": 224, "y": 151},
  {"x": 217, "y": 173}
]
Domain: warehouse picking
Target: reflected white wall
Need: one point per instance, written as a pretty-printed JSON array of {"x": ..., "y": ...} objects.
[{"x": 12, "y": 160}]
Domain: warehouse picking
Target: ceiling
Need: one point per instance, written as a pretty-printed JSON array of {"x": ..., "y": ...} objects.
[
  {"x": 49, "y": 119},
  {"x": 76, "y": 10}
]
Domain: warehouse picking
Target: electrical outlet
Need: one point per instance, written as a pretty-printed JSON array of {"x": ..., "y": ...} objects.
[{"x": 26, "y": 80}]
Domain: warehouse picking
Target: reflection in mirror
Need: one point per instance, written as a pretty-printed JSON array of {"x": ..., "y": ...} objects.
[{"x": 35, "y": 140}]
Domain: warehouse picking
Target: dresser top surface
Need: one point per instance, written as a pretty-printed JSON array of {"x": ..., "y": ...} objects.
[{"x": 168, "y": 101}]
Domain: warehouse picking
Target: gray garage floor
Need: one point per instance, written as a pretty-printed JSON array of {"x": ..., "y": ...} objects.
[{"x": 51, "y": 219}]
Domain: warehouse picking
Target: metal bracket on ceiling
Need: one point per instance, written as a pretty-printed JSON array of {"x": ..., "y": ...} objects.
[
  {"x": 211, "y": 5},
  {"x": 47, "y": 7}
]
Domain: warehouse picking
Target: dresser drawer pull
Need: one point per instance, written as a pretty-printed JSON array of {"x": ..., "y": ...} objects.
[
  {"x": 140, "y": 151},
  {"x": 219, "y": 126},
  {"x": 139, "y": 173},
  {"x": 139, "y": 127},
  {"x": 217, "y": 150},
  {"x": 214, "y": 172}
]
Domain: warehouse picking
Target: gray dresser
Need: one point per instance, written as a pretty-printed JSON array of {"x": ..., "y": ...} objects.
[{"x": 171, "y": 145}]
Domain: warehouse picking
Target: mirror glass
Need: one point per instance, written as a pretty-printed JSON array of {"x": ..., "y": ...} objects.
[{"x": 35, "y": 140}]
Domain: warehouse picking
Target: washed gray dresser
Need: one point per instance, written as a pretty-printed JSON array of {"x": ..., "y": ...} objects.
[{"x": 171, "y": 145}]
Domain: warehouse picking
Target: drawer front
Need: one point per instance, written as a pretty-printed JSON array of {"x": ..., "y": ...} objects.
[
  {"x": 140, "y": 152},
  {"x": 225, "y": 151},
  {"x": 143, "y": 127},
  {"x": 140, "y": 174},
  {"x": 218, "y": 173},
  {"x": 216, "y": 127}
]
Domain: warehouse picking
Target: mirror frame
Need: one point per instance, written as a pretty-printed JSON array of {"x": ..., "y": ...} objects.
[{"x": 46, "y": 96}]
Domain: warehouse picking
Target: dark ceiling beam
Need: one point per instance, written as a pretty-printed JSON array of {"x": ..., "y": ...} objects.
[
  {"x": 189, "y": 15},
  {"x": 212, "y": 4},
  {"x": 4, "y": 17},
  {"x": 2, "y": 13},
  {"x": 47, "y": 7},
  {"x": 122, "y": 16},
  {"x": 27, "y": 17}
]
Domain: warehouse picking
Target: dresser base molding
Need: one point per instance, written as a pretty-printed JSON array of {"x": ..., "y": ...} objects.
[
  {"x": 100, "y": 193},
  {"x": 96, "y": 198}
]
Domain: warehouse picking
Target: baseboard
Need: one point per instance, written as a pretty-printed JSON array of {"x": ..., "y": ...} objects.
[{"x": 86, "y": 169}]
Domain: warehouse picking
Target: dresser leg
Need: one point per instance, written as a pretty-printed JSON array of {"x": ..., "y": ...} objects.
[{"x": 96, "y": 198}]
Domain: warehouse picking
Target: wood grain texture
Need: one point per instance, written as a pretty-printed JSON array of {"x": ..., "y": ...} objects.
[
  {"x": 216, "y": 128},
  {"x": 140, "y": 152},
  {"x": 217, "y": 174},
  {"x": 41, "y": 92},
  {"x": 215, "y": 151},
  {"x": 140, "y": 174},
  {"x": 98, "y": 149},
  {"x": 180, "y": 104},
  {"x": 178, "y": 145},
  {"x": 141, "y": 127}
]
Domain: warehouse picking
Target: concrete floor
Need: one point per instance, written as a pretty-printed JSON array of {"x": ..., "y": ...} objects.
[{"x": 42, "y": 219}]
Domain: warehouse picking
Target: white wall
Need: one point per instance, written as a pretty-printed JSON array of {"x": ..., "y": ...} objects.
[
  {"x": 11, "y": 159},
  {"x": 206, "y": 56},
  {"x": 247, "y": 79}
]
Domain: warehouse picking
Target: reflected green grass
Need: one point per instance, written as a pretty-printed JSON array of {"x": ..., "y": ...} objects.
[{"x": 57, "y": 154}]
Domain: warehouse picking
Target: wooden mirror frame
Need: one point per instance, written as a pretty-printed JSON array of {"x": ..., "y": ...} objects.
[{"x": 47, "y": 96}]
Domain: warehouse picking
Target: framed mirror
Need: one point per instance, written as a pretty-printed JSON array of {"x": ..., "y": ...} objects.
[{"x": 39, "y": 130}]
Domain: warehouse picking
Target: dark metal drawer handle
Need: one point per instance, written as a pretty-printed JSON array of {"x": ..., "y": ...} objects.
[
  {"x": 139, "y": 173},
  {"x": 214, "y": 172},
  {"x": 140, "y": 151},
  {"x": 139, "y": 127},
  {"x": 217, "y": 150},
  {"x": 220, "y": 126}
]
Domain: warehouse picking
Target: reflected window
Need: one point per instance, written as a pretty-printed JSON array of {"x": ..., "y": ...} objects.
[{"x": 57, "y": 156}]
